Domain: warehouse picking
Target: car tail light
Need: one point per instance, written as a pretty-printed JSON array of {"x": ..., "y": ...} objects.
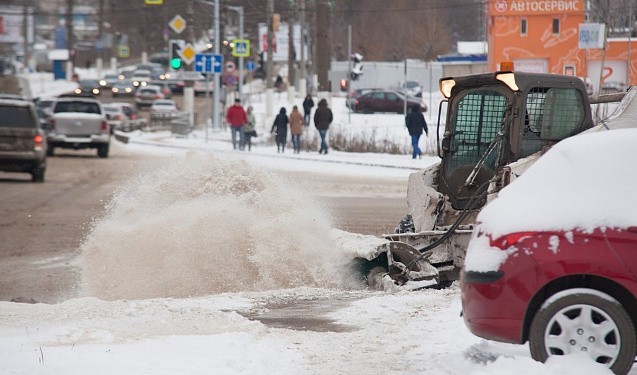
[
  {"x": 133, "y": 117},
  {"x": 511, "y": 239},
  {"x": 105, "y": 127},
  {"x": 121, "y": 117},
  {"x": 38, "y": 141}
]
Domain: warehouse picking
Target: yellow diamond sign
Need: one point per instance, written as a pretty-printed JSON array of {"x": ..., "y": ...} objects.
[
  {"x": 187, "y": 53},
  {"x": 178, "y": 24}
]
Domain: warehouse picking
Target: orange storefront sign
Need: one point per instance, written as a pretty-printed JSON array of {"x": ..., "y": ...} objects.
[{"x": 535, "y": 7}]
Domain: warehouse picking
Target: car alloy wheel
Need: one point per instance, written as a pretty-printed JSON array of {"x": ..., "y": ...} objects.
[{"x": 588, "y": 321}]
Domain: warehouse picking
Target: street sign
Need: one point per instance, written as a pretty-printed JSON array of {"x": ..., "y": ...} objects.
[
  {"x": 187, "y": 53},
  {"x": 178, "y": 24},
  {"x": 123, "y": 51},
  {"x": 208, "y": 63},
  {"x": 241, "y": 48},
  {"x": 154, "y": 2},
  {"x": 250, "y": 65},
  {"x": 187, "y": 76},
  {"x": 230, "y": 67}
]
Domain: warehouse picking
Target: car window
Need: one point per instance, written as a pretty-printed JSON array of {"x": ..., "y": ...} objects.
[
  {"x": 128, "y": 111},
  {"x": 391, "y": 96},
  {"x": 15, "y": 117},
  {"x": 377, "y": 95},
  {"x": 84, "y": 107}
]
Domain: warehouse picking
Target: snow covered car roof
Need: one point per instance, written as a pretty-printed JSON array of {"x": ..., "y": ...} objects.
[{"x": 583, "y": 182}]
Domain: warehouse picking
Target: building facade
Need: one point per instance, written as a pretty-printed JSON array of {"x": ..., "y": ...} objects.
[{"x": 543, "y": 36}]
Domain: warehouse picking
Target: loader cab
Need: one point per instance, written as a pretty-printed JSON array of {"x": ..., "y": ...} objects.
[{"x": 498, "y": 118}]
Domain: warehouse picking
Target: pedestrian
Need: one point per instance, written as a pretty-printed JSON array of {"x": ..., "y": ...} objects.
[
  {"x": 280, "y": 128},
  {"x": 415, "y": 122},
  {"x": 322, "y": 119},
  {"x": 248, "y": 129},
  {"x": 237, "y": 118},
  {"x": 308, "y": 104},
  {"x": 296, "y": 128}
]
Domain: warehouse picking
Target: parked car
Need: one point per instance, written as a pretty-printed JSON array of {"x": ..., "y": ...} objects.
[
  {"x": 123, "y": 116},
  {"x": 145, "y": 96},
  {"x": 384, "y": 101},
  {"x": 22, "y": 142},
  {"x": 354, "y": 94},
  {"x": 88, "y": 87},
  {"x": 123, "y": 87},
  {"x": 109, "y": 80},
  {"x": 552, "y": 260},
  {"x": 411, "y": 88}
]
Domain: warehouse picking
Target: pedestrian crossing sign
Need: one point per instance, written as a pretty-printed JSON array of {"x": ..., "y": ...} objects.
[{"x": 241, "y": 48}]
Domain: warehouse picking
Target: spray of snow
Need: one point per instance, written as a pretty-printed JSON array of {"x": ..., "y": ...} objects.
[
  {"x": 200, "y": 225},
  {"x": 554, "y": 244}
]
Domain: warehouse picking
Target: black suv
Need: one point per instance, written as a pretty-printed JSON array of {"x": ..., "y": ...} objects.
[{"x": 22, "y": 141}]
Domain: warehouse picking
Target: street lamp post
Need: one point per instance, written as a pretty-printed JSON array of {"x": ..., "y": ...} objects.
[{"x": 239, "y": 9}]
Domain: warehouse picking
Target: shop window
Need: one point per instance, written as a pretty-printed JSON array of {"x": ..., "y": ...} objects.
[{"x": 556, "y": 25}]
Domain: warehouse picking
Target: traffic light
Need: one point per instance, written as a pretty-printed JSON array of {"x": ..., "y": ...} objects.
[
  {"x": 175, "y": 60},
  {"x": 357, "y": 68},
  {"x": 344, "y": 85}
]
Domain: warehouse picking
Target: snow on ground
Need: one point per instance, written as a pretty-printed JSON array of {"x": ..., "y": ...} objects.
[{"x": 190, "y": 311}]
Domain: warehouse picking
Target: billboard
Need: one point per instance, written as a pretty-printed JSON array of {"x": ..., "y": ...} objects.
[{"x": 280, "y": 42}]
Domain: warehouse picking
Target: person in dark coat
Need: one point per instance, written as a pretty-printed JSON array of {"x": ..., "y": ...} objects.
[
  {"x": 308, "y": 104},
  {"x": 322, "y": 119},
  {"x": 415, "y": 122},
  {"x": 280, "y": 128}
]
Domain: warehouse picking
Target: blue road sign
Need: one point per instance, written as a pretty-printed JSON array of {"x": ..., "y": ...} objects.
[
  {"x": 208, "y": 63},
  {"x": 250, "y": 65}
]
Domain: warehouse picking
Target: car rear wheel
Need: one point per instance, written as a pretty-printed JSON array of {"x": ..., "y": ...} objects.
[
  {"x": 588, "y": 321},
  {"x": 102, "y": 151},
  {"x": 37, "y": 174}
]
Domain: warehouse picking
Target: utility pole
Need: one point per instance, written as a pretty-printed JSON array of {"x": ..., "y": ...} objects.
[
  {"x": 217, "y": 85},
  {"x": 239, "y": 9},
  {"x": 69, "y": 38},
  {"x": 291, "y": 52},
  {"x": 324, "y": 58},
  {"x": 302, "y": 83},
  {"x": 268, "y": 71},
  {"x": 25, "y": 30}
]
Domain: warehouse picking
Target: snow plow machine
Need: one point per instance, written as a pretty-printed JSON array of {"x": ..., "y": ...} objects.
[{"x": 497, "y": 125}]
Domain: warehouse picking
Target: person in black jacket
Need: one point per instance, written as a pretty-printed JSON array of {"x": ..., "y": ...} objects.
[
  {"x": 323, "y": 117},
  {"x": 415, "y": 122},
  {"x": 280, "y": 128},
  {"x": 308, "y": 104}
]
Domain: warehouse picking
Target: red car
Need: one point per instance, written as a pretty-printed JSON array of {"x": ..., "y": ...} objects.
[
  {"x": 553, "y": 260},
  {"x": 385, "y": 101}
]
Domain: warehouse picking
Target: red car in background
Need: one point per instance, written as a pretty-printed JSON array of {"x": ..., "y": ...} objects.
[
  {"x": 385, "y": 101},
  {"x": 553, "y": 259}
]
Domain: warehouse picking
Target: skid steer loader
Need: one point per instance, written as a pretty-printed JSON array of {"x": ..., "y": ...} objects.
[{"x": 497, "y": 125}]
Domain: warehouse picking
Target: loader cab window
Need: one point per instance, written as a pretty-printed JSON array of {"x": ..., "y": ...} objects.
[
  {"x": 476, "y": 120},
  {"x": 552, "y": 114}
]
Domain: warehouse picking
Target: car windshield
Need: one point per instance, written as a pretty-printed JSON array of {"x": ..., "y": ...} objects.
[{"x": 15, "y": 117}]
